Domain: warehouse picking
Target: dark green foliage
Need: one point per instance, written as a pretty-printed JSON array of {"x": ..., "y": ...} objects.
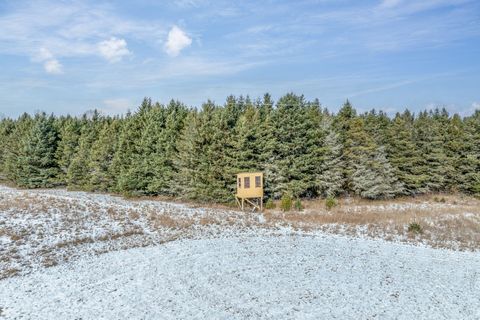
[
  {"x": 286, "y": 202},
  {"x": 69, "y": 136},
  {"x": 330, "y": 202},
  {"x": 101, "y": 156},
  {"x": 303, "y": 150},
  {"x": 404, "y": 154},
  {"x": 298, "y": 205},
  {"x": 331, "y": 180},
  {"x": 270, "y": 204},
  {"x": 415, "y": 227},
  {"x": 79, "y": 170},
  {"x": 35, "y": 161},
  {"x": 295, "y": 148}
]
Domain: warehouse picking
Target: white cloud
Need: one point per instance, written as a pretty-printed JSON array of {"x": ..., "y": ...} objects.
[
  {"x": 43, "y": 54},
  {"x": 113, "y": 49},
  {"x": 177, "y": 41},
  {"x": 476, "y": 106},
  {"x": 52, "y": 66},
  {"x": 50, "y": 63}
]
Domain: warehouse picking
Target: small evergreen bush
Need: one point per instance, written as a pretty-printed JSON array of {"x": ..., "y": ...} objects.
[
  {"x": 270, "y": 204},
  {"x": 415, "y": 227},
  {"x": 330, "y": 202},
  {"x": 298, "y": 205},
  {"x": 286, "y": 202},
  {"x": 476, "y": 189}
]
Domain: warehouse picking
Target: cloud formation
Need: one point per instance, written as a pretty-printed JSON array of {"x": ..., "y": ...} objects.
[
  {"x": 52, "y": 66},
  {"x": 50, "y": 63},
  {"x": 113, "y": 49},
  {"x": 177, "y": 41}
]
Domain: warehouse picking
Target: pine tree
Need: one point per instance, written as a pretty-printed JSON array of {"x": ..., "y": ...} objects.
[
  {"x": 188, "y": 162},
  {"x": 69, "y": 134},
  {"x": 332, "y": 179},
  {"x": 36, "y": 161},
  {"x": 375, "y": 178},
  {"x": 165, "y": 151},
  {"x": 246, "y": 142},
  {"x": 14, "y": 147},
  {"x": 404, "y": 154},
  {"x": 296, "y": 148},
  {"x": 126, "y": 164},
  {"x": 7, "y": 126},
  {"x": 101, "y": 156},
  {"x": 430, "y": 140},
  {"x": 470, "y": 167},
  {"x": 78, "y": 172},
  {"x": 201, "y": 163}
]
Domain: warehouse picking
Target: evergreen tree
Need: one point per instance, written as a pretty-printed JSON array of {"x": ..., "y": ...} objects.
[
  {"x": 36, "y": 161},
  {"x": 101, "y": 156},
  {"x": 296, "y": 149},
  {"x": 246, "y": 142},
  {"x": 430, "y": 141},
  {"x": 69, "y": 134},
  {"x": 165, "y": 151},
  {"x": 302, "y": 150},
  {"x": 126, "y": 164},
  {"x": 201, "y": 163},
  {"x": 14, "y": 147},
  {"x": 7, "y": 126},
  {"x": 470, "y": 166},
  {"x": 78, "y": 172},
  {"x": 375, "y": 178},
  {"x": 404, "y": 154},
  {"x": 332, "y": 179}
]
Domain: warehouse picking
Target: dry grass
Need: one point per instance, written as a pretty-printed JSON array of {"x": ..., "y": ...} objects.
[
  {"x": 43, "y": 229},
  {"x": 9, "y": 273},
  {"x": 449, "y": 221}
]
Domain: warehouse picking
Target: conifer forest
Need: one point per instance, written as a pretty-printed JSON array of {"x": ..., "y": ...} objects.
[{"x": 194, "y": 153}]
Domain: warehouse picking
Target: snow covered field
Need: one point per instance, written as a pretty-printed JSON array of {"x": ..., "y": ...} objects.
[
  {"x": 254, "y": 277},
  {"x": 70, "y": 255}
]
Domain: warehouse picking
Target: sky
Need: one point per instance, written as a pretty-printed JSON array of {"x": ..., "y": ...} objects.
[{"x": 68, "y": 57}]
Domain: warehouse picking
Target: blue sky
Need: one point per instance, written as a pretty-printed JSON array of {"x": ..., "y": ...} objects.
[{"x": 74, "y": 56}]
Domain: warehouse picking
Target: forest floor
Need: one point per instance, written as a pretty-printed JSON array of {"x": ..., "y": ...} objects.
[
  {"x": 67, "y": 255},
  {"x": 43, "y": 228}
]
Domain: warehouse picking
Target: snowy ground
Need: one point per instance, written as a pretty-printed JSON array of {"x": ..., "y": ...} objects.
[
  {"x": 251, "y": 276},
  {"x": 43, "y": 228},
  {"x": 71, "y": 255}
]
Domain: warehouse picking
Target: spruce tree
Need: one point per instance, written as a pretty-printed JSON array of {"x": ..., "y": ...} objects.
[
  {"x": 203, "y": 173},
  {"x": 78, "y": 173},
  {"x": 431, "y": 143},
  {"x": 296, "y": 147},
  {"x": 470, "y": 168},
  {"x": 126, "y": 164},
  {"x": 69, "y": 134},
  {"x": 7, "y": 126},
  {"x": 331, "y": 179},
  {"x": 246, "y": 142},
  {"x": 36, "y": 161},
  {"x": 101, "y": 156},
  {"x": 405, "y": 156},
  {"x": 165, "y": 150}
]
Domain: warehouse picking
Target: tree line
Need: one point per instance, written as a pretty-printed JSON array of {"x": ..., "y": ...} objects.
[{"x": 194, "y": 153}]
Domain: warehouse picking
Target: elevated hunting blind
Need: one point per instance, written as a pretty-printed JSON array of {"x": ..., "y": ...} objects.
[{"x": 250, "y": 189}]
